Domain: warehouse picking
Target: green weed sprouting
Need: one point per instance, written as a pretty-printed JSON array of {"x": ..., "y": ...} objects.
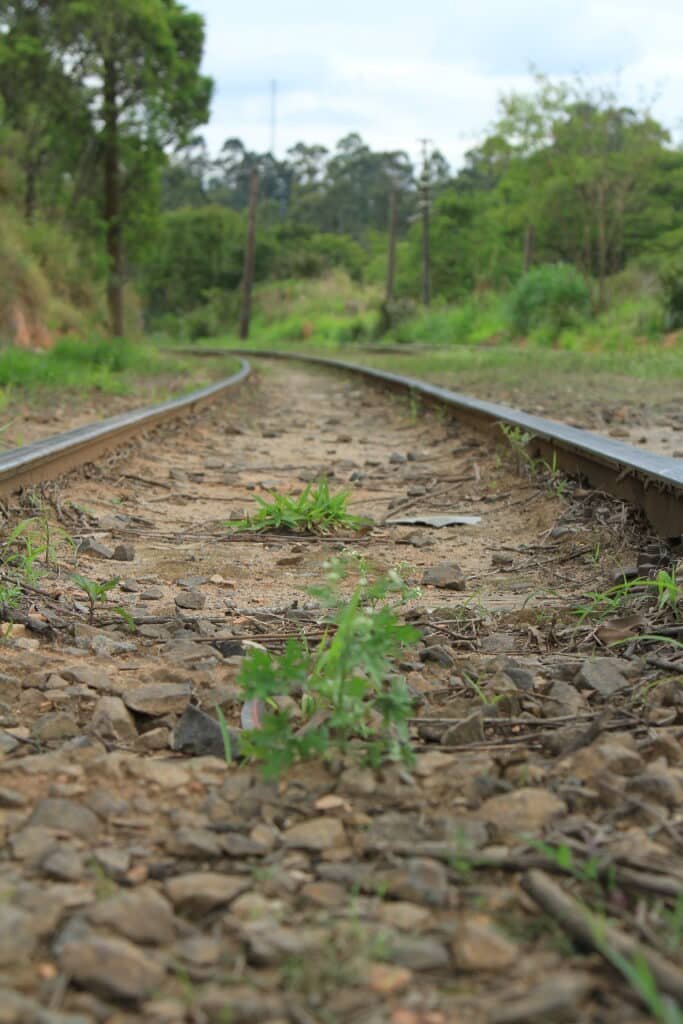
[
  {"x": 549, "y": 472},
  {"x": 669, "y": 596},
  {"x": 96, "y": 594},
  {"x": 350, "y": 686},
  {"x": 316, "y": 510}
]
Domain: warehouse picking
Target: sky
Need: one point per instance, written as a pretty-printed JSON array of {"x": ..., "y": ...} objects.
[{"x": 397, "y": 72}]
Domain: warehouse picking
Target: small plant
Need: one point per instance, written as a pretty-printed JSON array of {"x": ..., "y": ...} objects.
[
  {"x": 350, "y": 687},
  {"x": 316, "y": 510},
  {"x": 637, "y": 972},
  {"x": 601, "y": 604},
  {"x": 96, "y": 594}
]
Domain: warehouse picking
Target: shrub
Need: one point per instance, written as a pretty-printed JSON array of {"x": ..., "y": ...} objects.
[
  {"x": 672, "y": 283},
  {"x": 548, "y": 299}
]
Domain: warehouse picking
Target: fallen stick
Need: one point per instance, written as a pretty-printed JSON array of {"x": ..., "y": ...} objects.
[{"x": 594, "y": 932}]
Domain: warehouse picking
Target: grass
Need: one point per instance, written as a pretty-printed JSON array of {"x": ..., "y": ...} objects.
[
  {"x": 102, "y": 365},
  {"x": 315, "y": 510}
]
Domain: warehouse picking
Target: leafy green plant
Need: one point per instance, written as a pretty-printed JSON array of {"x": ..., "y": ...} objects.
[
  {"x": 350, "y": 686},
  {"x": 315, "y": 510},
  {"x": 549, "y": 298},
  {"x": 96, "y": 594},
  {"x": 665, "y": 586},
  {"x": 637, "y": 972}
]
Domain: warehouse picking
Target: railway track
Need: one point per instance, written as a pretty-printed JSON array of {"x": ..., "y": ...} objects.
[{"x": 147, "y": 879}]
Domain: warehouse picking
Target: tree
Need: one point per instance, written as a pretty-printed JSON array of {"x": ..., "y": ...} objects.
[{"x": 140, "y": 59}]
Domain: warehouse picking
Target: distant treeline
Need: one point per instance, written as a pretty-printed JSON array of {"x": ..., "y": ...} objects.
[{"x": 106, "y": 187}]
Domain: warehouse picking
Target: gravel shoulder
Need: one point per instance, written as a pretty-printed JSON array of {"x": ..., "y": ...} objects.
[{"x": 146, "y": 879}]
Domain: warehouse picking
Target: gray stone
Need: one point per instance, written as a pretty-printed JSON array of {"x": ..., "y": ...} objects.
[
  {"x": 269, "y": 943},
  {"x": 397, "y": 458},
  {"x": 8, "y": 744},
  {"x": 63, "y": 863},
  {"x": 66, "y": 816},
  {"x": 446, "y": 576},
  {"x": 602, "y": 676},
  {"x": 566, "y": 699},
  {"x": 317, "y": 834},
  {"x": 418, "y": 952},
  {"x": 114, "y": 862},
  {"x": 17, "y": 936},
  {"x": 95, "y": 678},
  {"x": 199, "y": 892},
  {"x": 143, "y": 915},
  {"x": 11, "y": 798},
  {"x": 467, "y": 730},
  {"x": 199, "y": 734},
  {"x": 479, "y": 946},
  {"x": 111, "y": 967},
  {"x": 158, "y": 699},
  {"x": 195, "y": 842},
  {"x": 112, "y": 720},
  {"x": 55, "y": 725},
  {"x": 658, "y": 783},
  {"x": 441, "y": 655},
  {"x": 522, "y": 812},
  {"x": 192, "y": 600},
  {"x": 94, "y": 548},
  {"x": 124, "y": 553},
  {"x": 419, "y": 880}
]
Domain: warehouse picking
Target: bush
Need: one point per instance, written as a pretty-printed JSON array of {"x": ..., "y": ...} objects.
[{"x": 548, "y": 299}]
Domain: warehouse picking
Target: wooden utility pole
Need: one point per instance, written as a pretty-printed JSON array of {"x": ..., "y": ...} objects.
[
  {"x": 425, "y": 199},
  {"x": 248, "y": 274},
  {"x": 393, "y": 232}
]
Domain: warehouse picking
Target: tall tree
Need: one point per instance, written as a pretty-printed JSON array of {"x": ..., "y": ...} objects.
[{"x": 140, "y": 58}]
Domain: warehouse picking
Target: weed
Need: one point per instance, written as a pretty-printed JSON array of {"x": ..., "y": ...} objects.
[
  {"x": 349, "y": 685},
  {"x": 96, "y": 594},
  {"x": 481, "y": 693},
  {"x": 316, "y": 510},
  {"x": 225, "y": 734},
  {"x": 665, "y": 586},
  {"x": 637, "y": 972}
]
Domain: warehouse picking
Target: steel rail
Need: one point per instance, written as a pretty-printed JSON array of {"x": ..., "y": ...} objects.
[
  {"x": 51, "y": 457},
  {"x": 649, "y": 481}
]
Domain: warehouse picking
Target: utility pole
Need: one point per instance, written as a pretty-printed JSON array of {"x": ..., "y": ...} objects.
[
  {"x": 393, "y": 232},
  {"x": 425, "y": 202},
  {"x": 248, "y": 274},
  {"x": 273, "y": 116}
]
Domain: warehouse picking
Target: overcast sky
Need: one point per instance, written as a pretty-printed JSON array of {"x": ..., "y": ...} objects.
[{"x": 397, "y": 71}]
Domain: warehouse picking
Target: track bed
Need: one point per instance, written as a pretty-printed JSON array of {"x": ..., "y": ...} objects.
[{"x": 143, "y": 883}]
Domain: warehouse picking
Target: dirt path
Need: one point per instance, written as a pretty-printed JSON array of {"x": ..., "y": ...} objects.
[{"x": 143, "y": 882}]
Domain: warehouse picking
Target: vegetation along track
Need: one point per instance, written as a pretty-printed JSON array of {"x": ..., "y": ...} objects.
[{"x": 463, "y": 800}]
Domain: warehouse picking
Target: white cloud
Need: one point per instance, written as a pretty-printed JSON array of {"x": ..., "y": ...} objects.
[{"x": 396, "y": 71}]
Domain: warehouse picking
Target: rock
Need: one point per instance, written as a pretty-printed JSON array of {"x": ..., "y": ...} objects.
[
  {"x": 325, "y": 894},
  {"x": 124, "y": 553},
  {"x": 316, "y": 834},
  {"x": 199, "y": 892},
  {"x": 418, "y": 952},
  {"x": 441, "y": 655},
  {"x": 357, "y": 781},
  {"x": 66, "y": 816},
  {"x": 8, "y": 744},
  {"x": 153, "y": 739},
  {"x": 387, "y": 979},
  {"x": 468, "y": 730},
  {"x": 602, "y": 676},
  {"x": 12, "y": 798},
  {"x": 55, "y": 725},
  {"x": 446, "y": 576},
  {"x": 95, "y": 678},
  {"x": 143, "y": 915},
  {"x": 605, "y": 755},
  {"x": 191, "y": 600},
  {"x": 115, "y": 863},
  {"x": 420, "y": 880},
  {"x": 659, "y": 783},
  {"x": 112, "y": 720},
  {"x": 397, "y": 458},
  {"x": 195, "y": 842},
  {"x": 197, "y": 733},
  {"x": 407, "y": 917},
  {"x": 269, "y": 943},
  {"x": 158, "y": 699},
  {"x": 17, "y": 937},
  {"x": 92, "y": 547},
  {"x": 64, "y": 863},
  {"x": 557, "y": 999},
  {"x": 246, "y": 1005},
  {"x": 111, "y": 967},
  {"x": 479, "y": 946},
  {"x": 566, "y": 700},
  {"x": 522, "y": 812}
]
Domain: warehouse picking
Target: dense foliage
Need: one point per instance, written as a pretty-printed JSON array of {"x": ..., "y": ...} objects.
[{"x": 106, "y": 192}]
